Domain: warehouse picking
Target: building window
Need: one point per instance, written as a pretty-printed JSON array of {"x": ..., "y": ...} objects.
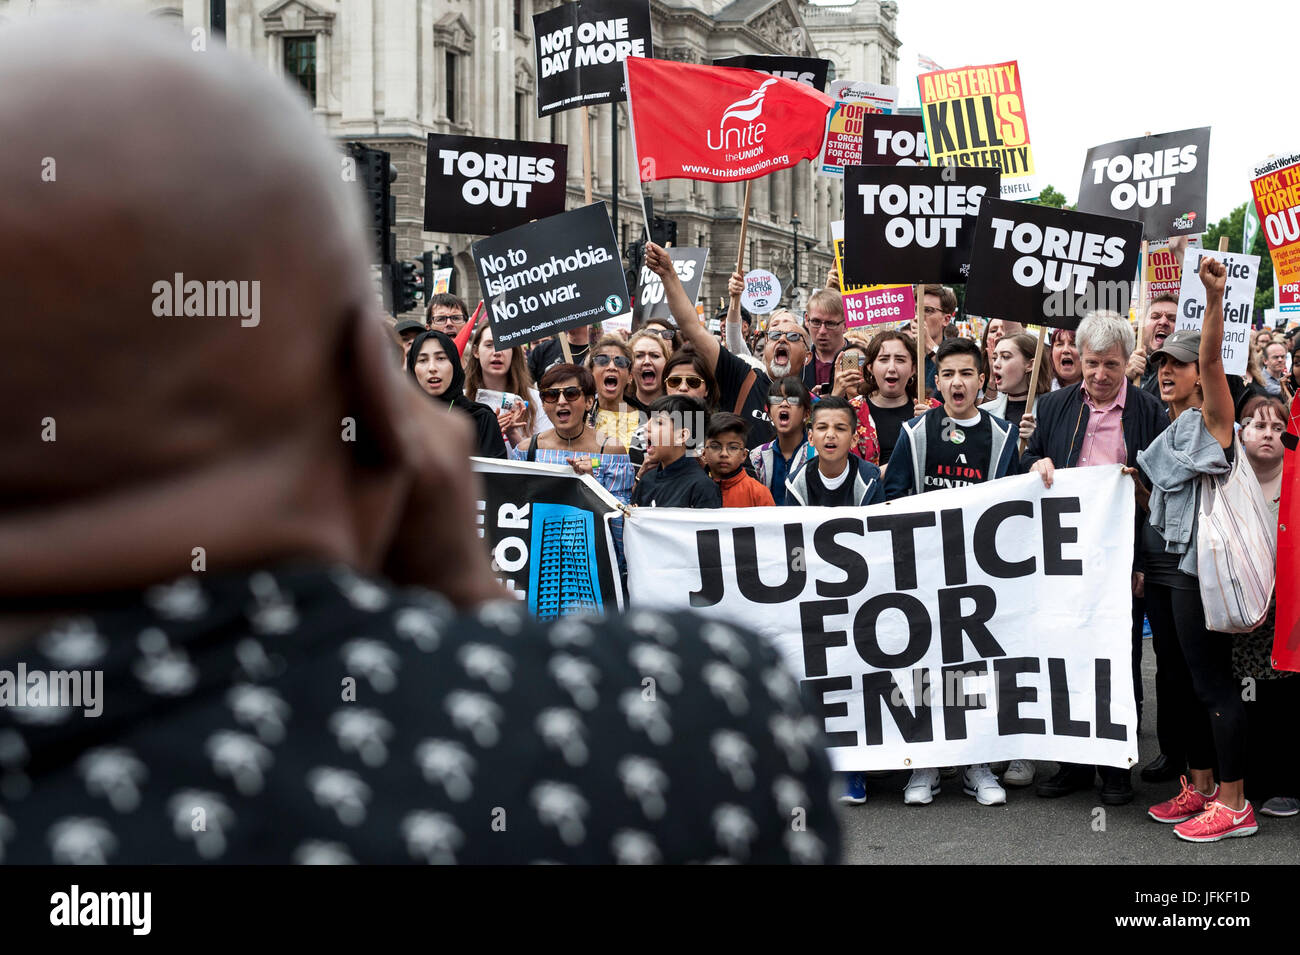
[
  {"x": 300, "y": 63},
  {"x": 521, "y": 106},
  {"x": 519, "y": 16},
  {"x": 452, "y": 91}
]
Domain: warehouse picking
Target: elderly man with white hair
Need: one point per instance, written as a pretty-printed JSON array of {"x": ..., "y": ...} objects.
[{"x": 1104, "y": 419}]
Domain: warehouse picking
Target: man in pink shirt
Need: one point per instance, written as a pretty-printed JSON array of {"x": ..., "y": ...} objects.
[{"x": 1106, "y": 420}]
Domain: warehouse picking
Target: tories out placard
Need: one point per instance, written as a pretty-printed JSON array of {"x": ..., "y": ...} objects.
[
  {"x": 1238, "y": 302},
  {"x": 845, "y": 124},
  {"x": 547, "y": 532},
  {"x": 552, "y": 275},
  {"x": 961, "y": 626},
  {"x": 1276, "y": 189},
  {"x": 1158, "y": 180},
  {"x": 889, "y": 140},
  {"x": 870, "y": 304},
  {"x": 651, "y": 302},
  {"x": 480, "y": 186},
  {"x": 807, "y": 70},
  {"x": 580, "y": 49},
  {"x": 1043, "y": 266},
  {"x": 911, "y": 223},
  {"x": 975, "y": 116}
]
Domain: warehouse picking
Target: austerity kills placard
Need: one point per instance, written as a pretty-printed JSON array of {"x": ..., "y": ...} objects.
[
  {"x": 975, "y": 116},
  {"x": 1158, "y": 180},
  {"x": 1238, "y": 302},
  {"x": 870, "y": 304},
  {"x": 802, "y": 69},
  {"x": 1043, "y": 266},
  {"x": 551, "y": 275},
  {"x": 960, "y": 626},
  {"x": 650, "y": 299},
  {"x": 911, "y": 223},
  {"x": 845, "y": 124},
  {"x": 547, "y": 532},
  {"x": 1276, "y": 188},
  {"x": 483, "y": 186},
  {"x": 580, "y": 50}
]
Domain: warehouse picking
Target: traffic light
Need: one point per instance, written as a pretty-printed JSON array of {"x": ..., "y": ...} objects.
[
  {"x": 425, "y": 276},
  {"x": 406, "y": 285},
  {"x": 663, "y": 230},
  {"x": 376, "y": 174}
]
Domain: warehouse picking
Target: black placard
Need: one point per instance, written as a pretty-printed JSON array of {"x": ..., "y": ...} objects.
[
  {"x": 1044, "y": 266},
  {"x": 580, "y": 48},
  {"x": 551, "y": 275},
  {"x": 650, "y": 299},
  {"x": 1160, "y": 181},
  {"x": 802, "y": 69},
  {"x": 480, "y": 186},
  {"x": 911, "y": 223},
  {"x": 892, "y": 140}
]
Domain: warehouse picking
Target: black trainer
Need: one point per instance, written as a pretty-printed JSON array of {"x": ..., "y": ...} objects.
[
  {"x": 1163, "y": 769},
  {"x": 1071, "y": 777},
  {"x": 1116, "y": 785}
]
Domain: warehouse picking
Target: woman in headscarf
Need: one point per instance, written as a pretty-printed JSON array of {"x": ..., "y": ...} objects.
[{"x": 434, "y": 364}]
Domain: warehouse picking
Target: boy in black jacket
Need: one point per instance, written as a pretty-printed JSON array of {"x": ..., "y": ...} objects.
[{"x": 672, "y": 477}]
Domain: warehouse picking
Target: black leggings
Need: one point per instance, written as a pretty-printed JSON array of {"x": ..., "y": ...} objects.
[{"x": 1218, "y": 729}]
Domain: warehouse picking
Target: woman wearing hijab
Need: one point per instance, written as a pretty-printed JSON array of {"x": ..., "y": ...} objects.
[{"x": 434, "y": 363}]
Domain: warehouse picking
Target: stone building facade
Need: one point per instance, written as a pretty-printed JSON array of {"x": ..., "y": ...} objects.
[{"x": 388, "y": 72}]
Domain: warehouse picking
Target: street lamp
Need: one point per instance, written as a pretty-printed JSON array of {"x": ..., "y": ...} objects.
[{"x": 794, "y": 222}]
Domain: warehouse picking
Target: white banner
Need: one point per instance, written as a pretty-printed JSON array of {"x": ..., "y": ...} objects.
[
  {"x": 1238, "y": 302},
  {"x": 961, "y": 626}
]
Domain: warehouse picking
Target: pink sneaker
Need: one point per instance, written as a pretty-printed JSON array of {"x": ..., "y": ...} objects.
[
  {"x": 1218, "y": 822},
  {"x": 1186, "y": 805}
]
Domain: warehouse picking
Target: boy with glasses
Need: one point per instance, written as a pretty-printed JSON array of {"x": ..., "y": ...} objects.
[{"x": 725, "y": 457}]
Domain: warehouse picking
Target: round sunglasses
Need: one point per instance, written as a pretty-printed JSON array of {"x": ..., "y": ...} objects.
[{"x": 692, "y": 381}]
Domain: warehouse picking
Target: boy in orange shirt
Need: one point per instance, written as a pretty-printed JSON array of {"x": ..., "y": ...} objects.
[{"x": 725, "y": 455}]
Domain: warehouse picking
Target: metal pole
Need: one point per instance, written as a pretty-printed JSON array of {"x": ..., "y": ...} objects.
[{"x": 613, "y": 132}]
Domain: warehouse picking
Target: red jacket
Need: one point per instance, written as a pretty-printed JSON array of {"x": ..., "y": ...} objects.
[{"x": 741, "y": 490}]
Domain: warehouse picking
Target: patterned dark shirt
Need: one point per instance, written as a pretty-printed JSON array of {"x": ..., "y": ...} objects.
[{"x": 310, "y": 715}]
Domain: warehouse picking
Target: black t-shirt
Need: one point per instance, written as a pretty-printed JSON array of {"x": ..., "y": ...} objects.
[
  {"x": 956, "y": 456},
  {"x": 731, "y": 372},
  {"x": 317, "y": 716},
  {"x": 551, "y": 352},
  {"x": 1015, "y": 410},
  {"x": 889, "y": 421}
]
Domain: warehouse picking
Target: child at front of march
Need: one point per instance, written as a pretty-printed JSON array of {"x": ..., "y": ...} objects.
[
  {"x": 835, "y": 477},
  {"x": 789, "y": 406},
  {"x": 672, "y": 476},
  {"x": 954, "y": 445},
  {"x": 725, "y": 456}
]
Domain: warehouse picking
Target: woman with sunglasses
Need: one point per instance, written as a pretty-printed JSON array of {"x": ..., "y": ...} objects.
[
  {"x": 614, "y": 414},
  {"x": 650, "y": 352},
  {"x": 687, "y": 373},
  {"x": 568, "y": 394},
  {"x": 506, "y": 373},
  {"x": 788, "y": 405}
]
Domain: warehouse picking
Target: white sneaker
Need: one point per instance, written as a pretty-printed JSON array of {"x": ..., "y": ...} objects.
[
  {"x": 921, "y": 788},
  {"x": 1020, "y": 772},
  {"x": 979, "y": 781}
]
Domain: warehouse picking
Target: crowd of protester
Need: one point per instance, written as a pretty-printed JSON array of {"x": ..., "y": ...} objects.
[{"x": 801, "y": 410}]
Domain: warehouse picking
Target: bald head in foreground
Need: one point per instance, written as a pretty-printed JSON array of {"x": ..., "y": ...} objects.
[{"x": 291, "y": 632}]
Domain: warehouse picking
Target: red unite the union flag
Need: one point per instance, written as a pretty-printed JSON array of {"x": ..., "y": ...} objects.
[
  {"x": 719, "y": 123},
  {"x": 1286, "y": 640}
]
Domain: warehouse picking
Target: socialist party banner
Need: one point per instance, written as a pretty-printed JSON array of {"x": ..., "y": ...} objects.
[
  {"x": 1238, "y": 302},
  {"x": 1158, "y": 180},
  {"x": 580, "y": 49},
  {"x": 845, "y": 124},
  {"x": 719, "y": 123},
  {"x": 551, "y": 275},
  {"x": 651, "y": 302},
  {"x": 807, "y": 70},
  {"x": 870, "y": 304},
  {"x": 1276, "y": 188},
  {"x": 1043, "y": 266},
  {"x": 547, "y": 532},
  {"x": 481, "y": 186},
  {"x": 1286, "y": 635},
  {"x": 1164, "y": 271},
  {"x": 911, "y": 223},
  {"x": 960, "y": 626},
  {"x": 975, "y": 116}
]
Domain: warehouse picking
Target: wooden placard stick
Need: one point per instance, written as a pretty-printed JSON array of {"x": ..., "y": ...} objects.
[{"x": 1033, "y": 378}]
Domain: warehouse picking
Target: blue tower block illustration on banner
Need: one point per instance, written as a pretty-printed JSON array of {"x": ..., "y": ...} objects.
[{"x": 562, "y": 580}]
